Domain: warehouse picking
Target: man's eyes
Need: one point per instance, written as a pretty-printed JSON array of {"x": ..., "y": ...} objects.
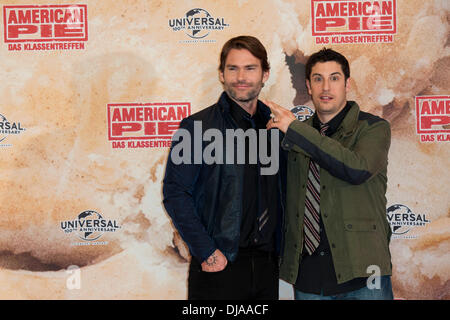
[
  {"x": 332, "y": 78},
  {"x": 231, "y": 68}
]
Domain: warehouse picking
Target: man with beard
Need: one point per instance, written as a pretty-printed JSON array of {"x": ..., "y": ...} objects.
[{"x": 228, "y": 214}]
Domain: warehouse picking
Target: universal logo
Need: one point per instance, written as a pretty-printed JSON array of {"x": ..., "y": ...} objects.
[
  {"x": 403, "y": 220},
  {"x": 197, "y": 24},
  {"x": 89, "y": 226},
  {"x": 8, "y": 128},
  {"x": 302, "y": 113}
]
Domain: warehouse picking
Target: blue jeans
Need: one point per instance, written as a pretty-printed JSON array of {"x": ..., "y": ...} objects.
[{"x": 382, "y": 293}]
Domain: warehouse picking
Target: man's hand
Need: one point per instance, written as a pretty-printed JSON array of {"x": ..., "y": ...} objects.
[
  {"x": 215, "y": 262},
  {"x": 282, "y": 117}
]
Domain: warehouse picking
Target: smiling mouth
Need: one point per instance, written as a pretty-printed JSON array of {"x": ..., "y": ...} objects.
[{"x": 241, "y": 86}]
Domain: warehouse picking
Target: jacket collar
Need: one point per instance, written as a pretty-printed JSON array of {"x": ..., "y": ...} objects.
[{"x": 348, "y": 124}]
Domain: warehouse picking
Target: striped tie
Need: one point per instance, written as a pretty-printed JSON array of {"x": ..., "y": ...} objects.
[{"x": 312, "y": 204}]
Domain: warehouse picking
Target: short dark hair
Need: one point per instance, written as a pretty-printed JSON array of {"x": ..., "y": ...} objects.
[
  {"x": 249, "y": 43},
  {"x": 326, "y": 55}
]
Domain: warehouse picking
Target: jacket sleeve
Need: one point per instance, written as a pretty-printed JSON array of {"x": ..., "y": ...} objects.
[
  {"x": 178, "y": 187},
  {"x": 366, "y": 158}
]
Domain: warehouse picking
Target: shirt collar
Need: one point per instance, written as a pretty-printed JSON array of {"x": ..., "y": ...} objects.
[
  {"x": 237, "y": 112},
  {"x": 242, "y": 117},
  {"x": 333, "y": 123}
]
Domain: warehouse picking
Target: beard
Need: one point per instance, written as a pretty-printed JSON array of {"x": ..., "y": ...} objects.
[{"x": 245, "y": 97}]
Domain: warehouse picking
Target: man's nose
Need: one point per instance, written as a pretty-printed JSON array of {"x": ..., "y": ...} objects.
[
  {"x": 241, "y": 75},
  {"x": 326, "y": 85}
]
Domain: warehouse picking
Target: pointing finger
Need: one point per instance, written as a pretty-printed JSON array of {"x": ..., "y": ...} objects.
[{"x": 273, "y": 106}]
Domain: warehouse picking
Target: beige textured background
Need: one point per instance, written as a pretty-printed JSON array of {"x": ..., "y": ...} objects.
[{"x": 63, "y": 163}]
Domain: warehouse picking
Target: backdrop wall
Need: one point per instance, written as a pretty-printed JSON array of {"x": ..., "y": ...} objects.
[{"x": 91, "y": 93}]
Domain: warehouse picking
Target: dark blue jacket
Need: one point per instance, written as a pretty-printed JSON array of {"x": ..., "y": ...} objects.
[{"x": 205, "y": 200}]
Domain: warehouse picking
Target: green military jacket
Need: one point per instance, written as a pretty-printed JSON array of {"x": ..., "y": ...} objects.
[{"x": 353, "y": 178}]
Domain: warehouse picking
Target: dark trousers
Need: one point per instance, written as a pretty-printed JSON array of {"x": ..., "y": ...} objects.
[{"x": 252, "y": 276}]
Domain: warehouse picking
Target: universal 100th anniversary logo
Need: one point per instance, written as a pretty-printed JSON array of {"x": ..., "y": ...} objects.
[
  {"x": 197, "y": 24},
  {"x": 8, "y": 128},
  {"x": 89, "y": 226},
  {"x": 403, "y": 220}
]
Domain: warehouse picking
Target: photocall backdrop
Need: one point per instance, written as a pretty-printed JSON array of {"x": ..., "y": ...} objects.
[{"x": 91, "y": 93}]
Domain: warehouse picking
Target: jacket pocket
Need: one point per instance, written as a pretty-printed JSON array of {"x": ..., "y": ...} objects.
[{"x": 356, "y": 225}]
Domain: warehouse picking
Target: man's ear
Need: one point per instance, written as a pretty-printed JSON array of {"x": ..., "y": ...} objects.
[
  {"x": 347, "y": 85},
  {"x": 221, "y": 78},
  {"x": 266, "y": 75},
  {"x": 308, "y": 86}
]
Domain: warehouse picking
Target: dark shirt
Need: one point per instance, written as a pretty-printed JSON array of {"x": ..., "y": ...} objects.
[
  {"x": 259, "y": 199},
  {"x": 316, "y": 272}
]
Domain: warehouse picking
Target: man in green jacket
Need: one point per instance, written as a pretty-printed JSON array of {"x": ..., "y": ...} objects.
[{"x": 336, "y": 243}]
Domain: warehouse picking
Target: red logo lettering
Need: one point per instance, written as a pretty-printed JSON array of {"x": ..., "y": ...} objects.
[
  {"x": 145, "y": 121},
  {"x": 433, "y": 114},
  {"x": 345, "y": 17},
  {"x": 45, "y": 23}
]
